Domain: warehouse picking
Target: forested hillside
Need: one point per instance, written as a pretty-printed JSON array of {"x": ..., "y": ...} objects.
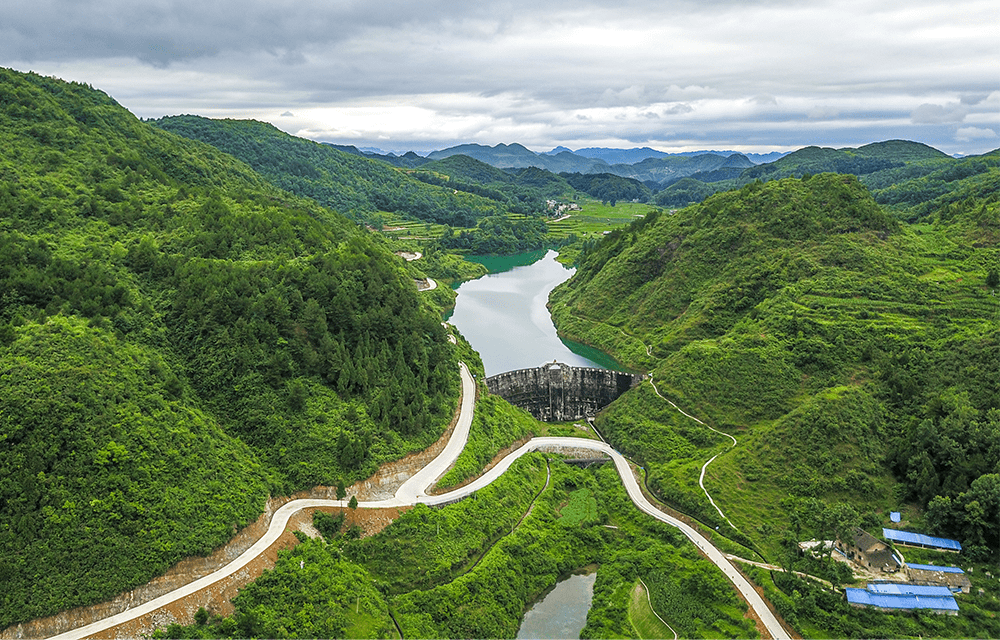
[
  {"x": 856, "y": 359},
  {"x": 349, "y": 184},
  {"x": 179, "y": 338}
]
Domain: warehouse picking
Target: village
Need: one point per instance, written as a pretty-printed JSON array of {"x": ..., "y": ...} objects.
[{"x": 892, "y": 583}]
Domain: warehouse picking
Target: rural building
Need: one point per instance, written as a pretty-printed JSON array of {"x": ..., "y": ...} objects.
[
  {"x": 951, "y": 577},
  {"x": 868, "y": 551},
  {"x": 904, "y": 597},
  {"x": 921, "y": 540}
]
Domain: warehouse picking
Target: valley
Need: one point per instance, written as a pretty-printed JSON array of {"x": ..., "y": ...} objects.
[{"x": 202, "y": 317}]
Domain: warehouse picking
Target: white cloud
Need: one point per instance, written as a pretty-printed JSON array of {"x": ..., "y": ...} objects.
[
  {"x": 823, "y": 113},
  {"x": 939, "y": 114},
  {"x": 678, "y": 109},
  {"x": 730, "y": 74},
  {"x": 968, "y": 134}
]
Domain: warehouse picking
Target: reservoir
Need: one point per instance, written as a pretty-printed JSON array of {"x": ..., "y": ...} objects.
[
  {"x": 563, "y": 612},
  {"x": 503, "y": 315}
]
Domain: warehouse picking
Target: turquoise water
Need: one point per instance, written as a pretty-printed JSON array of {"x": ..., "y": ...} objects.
[
  {"x": 503, "y": 315},
  {"x": 562, "y": 613}
]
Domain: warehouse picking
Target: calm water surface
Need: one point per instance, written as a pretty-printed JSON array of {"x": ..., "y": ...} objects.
[
  {"x": 563, "y": 612},
  {"x": 503, "y": 315}
]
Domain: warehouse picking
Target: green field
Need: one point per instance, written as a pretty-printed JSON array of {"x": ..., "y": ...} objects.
[
  {"x": 645, "y": 621},
  {"x": 408, "y": 229},
  {"x": 595, "y": 218}
]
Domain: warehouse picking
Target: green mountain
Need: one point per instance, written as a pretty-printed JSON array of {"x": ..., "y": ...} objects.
[
  {"x": 665, "y": 171},
  {"x": 526, "y": 189},
  {"x": 350, "y": 184},
  {"x": 855, "y": 359},
  {"x": 408, "y": 160},
  {"x": 861, "y": 161},
  {"x": 608, "y": 187},
  {"x": 911, "y": 178},
  {"x": 506, "y": 156},
  {"x": 522, "y": 190},
  {"x": 178, "y": 339}
]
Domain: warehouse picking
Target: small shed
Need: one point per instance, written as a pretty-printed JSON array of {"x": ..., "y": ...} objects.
[
  {"x": 951, "y": 577},
  {"x": 921, "y": 540}
]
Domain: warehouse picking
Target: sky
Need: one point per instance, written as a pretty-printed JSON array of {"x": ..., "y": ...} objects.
[{"x": 674, "y": 75}]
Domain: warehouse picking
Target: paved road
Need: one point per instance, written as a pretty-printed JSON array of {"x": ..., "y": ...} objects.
[
  {"x": 756, "y": 602},
  {"x": 412, "y": 492},
  {"x": 414, "y": 488}
]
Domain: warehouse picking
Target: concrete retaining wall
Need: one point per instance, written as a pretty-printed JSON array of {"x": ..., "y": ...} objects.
[{"x": 556, "y": 392}]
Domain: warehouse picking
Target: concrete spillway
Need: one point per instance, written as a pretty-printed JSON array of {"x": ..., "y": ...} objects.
[{"x": 555, "y": 392}]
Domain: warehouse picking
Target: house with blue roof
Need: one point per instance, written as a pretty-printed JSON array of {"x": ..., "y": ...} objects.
[
  {"x": 921, "y": 540},
  {"x": 902, "y": 597},
  {"x": 901, "y": 589}
]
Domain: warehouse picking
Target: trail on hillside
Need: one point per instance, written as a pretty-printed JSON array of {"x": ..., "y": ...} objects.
[{"x": 701, "y": 478}]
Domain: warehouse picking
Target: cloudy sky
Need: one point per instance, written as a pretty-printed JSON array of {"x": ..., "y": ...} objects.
[{"x": 676, "y": 75}]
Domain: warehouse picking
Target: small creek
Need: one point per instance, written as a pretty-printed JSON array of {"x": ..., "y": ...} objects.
[
  {"x": 562, "y": 613},
  {"x": 503, "y": 315}
]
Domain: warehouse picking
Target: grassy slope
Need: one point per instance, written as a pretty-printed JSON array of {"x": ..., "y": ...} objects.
[
  {"x": 168, "y": 319},
  {"x": 767, "y": 312}
]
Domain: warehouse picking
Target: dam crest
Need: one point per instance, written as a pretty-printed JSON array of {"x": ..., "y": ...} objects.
[{"x": 557, "y": 392}]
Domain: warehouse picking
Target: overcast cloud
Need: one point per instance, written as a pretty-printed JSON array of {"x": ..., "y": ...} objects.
[{"x": 749, "y": 75}]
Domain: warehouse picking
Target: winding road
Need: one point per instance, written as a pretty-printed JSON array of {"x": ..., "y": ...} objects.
[{"x": 413, "y": 491}]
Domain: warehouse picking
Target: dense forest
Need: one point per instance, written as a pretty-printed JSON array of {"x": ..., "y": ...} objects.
[{"x": 178, "y": 339}]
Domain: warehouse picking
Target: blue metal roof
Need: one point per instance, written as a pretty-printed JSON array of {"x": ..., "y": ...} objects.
[
  {"x": 887, "y": 601},
  {"x": 934, "y": 567},
  {"x": 896, "y": 588},
  {"x": 918, "y": 538},
  {"x": 895, "y": 516}
]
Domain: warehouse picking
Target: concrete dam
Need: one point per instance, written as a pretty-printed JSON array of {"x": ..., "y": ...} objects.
[{"x": 556, "y": 392}]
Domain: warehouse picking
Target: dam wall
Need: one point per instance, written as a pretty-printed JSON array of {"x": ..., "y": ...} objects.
[{"x": 556, "y": 392}]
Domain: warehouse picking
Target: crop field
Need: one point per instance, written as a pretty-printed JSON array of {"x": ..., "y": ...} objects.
[
  {"x": 643, "y": 618},
  {"x": 596, "y": 218},
  {"x": 402, "y": 228}
]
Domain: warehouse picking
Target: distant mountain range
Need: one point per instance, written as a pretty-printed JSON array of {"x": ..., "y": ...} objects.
[
  {"x": 656, "y": 168},
  {"x": 680, "y": 179},
  {"x": 632, "y": 156},
  {"x": 608, "y": 155}
]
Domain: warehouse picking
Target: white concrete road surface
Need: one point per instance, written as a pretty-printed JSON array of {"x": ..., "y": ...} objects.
[{"x": 413, "y": 491}]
